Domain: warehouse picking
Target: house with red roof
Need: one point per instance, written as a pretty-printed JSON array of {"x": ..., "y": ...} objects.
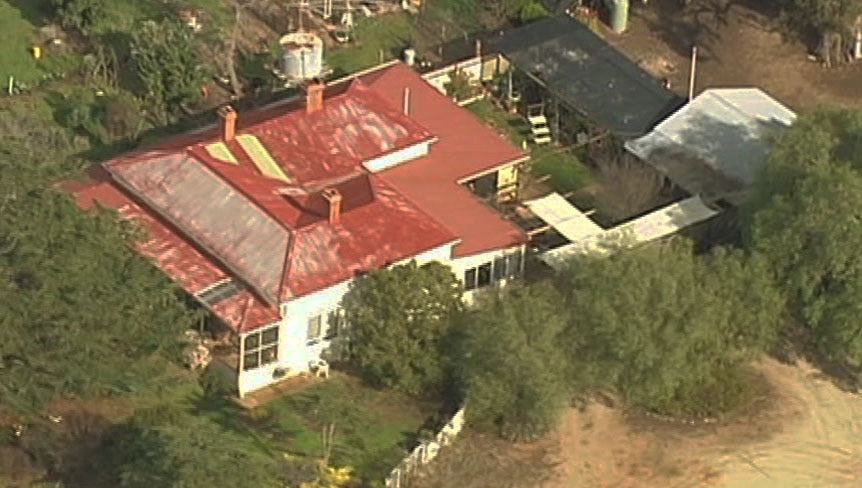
[{"x": 267, "y": 217}]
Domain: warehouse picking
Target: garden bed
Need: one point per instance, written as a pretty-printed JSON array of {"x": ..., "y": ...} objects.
[
  {"x": 565, "y": 171},
  {"x": 374, "y": 429}
]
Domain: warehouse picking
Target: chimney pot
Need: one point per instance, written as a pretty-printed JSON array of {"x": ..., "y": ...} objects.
[
  {"x": 333, "y": 197},
  {"x": 228, "y": 122},
  {"x": 314, "y": 95}
]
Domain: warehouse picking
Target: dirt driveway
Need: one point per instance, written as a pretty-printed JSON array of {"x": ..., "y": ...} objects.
[
  {"x": 803, "y": 433},
  {"x": 738, "y": 45},
  {"x": 808, "y": 435}
]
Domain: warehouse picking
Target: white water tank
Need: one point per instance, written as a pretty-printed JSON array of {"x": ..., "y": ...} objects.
[
  {"x": 409, "y": 56},
  {"x": 302, "y": 57}
]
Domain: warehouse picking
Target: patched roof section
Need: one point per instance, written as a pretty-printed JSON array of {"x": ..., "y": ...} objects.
[
  {"x": 350, "y": 128},
  {"x": 212, "y": 213}
]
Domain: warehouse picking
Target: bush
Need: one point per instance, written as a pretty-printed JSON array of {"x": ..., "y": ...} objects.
[
  {"x": 532, "y": 11},
  {"x": 83, "y": 15}
]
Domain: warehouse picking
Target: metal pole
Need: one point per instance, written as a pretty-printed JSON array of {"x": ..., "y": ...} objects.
[{"x": 693, "y": 69}]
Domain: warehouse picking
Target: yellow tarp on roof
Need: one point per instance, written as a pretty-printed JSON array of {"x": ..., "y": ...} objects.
[
  {"x": 261, "y": 157},
  {"x": 220, "y": 151}
]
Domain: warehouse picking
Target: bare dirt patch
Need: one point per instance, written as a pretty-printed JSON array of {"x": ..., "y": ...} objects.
[
  {"x": 802, "y": 431},
  {"x": 739, "y": 44}
]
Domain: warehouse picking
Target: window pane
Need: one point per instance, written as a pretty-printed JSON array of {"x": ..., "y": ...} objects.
[
  {"x": 333, "y": 324},
  {"x": 269, "y": 336},
  {"x": 470, "y": 279},
  {"x": 314, "y": 324},
  {"x": 484, "y": 278},
  {"x": 500, "y": 269},
  {"x": 252, "y": 341},
  {"x": 250, "y": 361},
  {"x": 269, "y": 355},
  {"x": 515, "y": 264}
]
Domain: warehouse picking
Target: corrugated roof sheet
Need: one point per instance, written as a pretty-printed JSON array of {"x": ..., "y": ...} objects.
[
  {"x": 212, "y": 213},
  {"x": 465, "y": 147},
  {"x": 557, "y": 212},
  {"x": 715, "y": 145},
  {"x": 650, "y": 227},
  {"x": 588, "y": 74}
]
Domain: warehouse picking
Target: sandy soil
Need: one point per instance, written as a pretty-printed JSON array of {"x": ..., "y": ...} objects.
[
  {"x": 808, "y": 435},
  {"x": 801, "y": 432},
  {"x": 738, "y": 45}
]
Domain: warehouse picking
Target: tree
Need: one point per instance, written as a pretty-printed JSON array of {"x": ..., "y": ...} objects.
[
  {"x": 805, "y": 218},
  {"x": 628, "y": 187},
  {"x": 513, "y": 368},
  {"x": 80, "y": 312},
  {"x": 168, "y": 63},
  {"x": 397, "y": 318},
  {"x": 668, "y": 329},
  {"x": 83, "y": 15},
  {"x": 184, "y": 451},
  {"x": 830, "y": 19}
]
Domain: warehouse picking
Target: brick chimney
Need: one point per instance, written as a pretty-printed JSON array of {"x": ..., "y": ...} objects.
[
  {"x": 227, "y": 117},
  {"x": 333, "y": 197},
  {"x": 314, "y": 95}
]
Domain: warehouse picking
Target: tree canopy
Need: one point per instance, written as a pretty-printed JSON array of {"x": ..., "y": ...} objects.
[
  {"x": 80, "y": 312},
  {"x": 184, "y": 451},
  {"x": 511, "y": 361},
  {"x": 168, "y": 63},
  {"x": 397, "y": 318},
  {"x": 664, "y": 327},
  {"x": 805, "y": 217}
]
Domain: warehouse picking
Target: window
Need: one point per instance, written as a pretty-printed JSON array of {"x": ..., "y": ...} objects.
[
  {"x": 470, "y": 279},
  {"x": 334, "y": 323},
  {"x": 484, "y": 275},
  {"x": 500, "y": 269},
  {"x": 315, "y": 329},
  {"x": 260, "y": 348},
  {"x": 514, "y": 264}
]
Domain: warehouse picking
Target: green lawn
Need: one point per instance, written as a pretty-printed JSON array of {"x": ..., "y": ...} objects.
[
  {"x": 19, "y": 36},
  {"x": 566, "y": 172},
  {"x": 373, "y": 428},
  {"x": 386, "y": 33}
]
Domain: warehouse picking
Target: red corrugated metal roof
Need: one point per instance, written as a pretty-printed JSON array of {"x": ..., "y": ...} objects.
[
  {"x": 465, "y": 147},
  {"x": 383, "y": 217}
]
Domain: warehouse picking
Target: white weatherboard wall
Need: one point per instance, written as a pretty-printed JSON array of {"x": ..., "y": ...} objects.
[
  {"x": 294, "y": 352},
  {"x": 397, "y": 157},
  {"x": 487, "y": 68}
]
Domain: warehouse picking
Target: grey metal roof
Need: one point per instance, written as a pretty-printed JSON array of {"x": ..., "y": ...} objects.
[
  {"x": 588, "y": 74},
  {"x": 715, "y": 145},
  {"x": 213, "y": 214}
]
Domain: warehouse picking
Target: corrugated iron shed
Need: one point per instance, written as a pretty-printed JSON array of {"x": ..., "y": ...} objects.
[
  {"x": 588, "y": 74},
  {"x": 715, "y": 145}
]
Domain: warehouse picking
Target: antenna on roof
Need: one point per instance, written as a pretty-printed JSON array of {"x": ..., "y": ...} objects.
[{"x": 303, "y": 4}]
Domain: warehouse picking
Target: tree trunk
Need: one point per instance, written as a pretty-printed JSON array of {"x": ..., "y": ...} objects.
[{"x": 230, "y": 63}]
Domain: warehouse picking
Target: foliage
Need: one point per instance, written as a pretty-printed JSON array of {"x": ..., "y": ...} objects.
[
  {"x": 370, "y": 425},
  {"x": 80, "y": 312},
  {"x": 821, "y": 15},
  {"x": 461, "y": 85},
  {"x": 83, "y": 15},
  {"x": 122, "y": 116},
  {"x": 662, "y": 326},
  {"x": 398, "y": 318},
  {"x": 186, "y": 451},
  {"x": 167, "y": 62},
  {"x": 531, "y": 11},
  {"x": 513, "y": 368},
  {"x": 804, "y": 217}
]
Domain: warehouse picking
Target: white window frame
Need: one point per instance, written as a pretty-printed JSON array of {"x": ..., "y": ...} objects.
[{"x": 269, "y": 348}]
